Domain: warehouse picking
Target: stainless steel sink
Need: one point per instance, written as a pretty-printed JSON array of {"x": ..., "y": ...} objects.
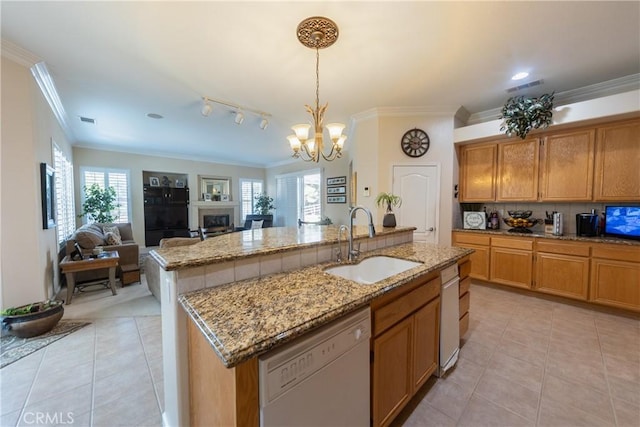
[{"x": 373, "y": 269}]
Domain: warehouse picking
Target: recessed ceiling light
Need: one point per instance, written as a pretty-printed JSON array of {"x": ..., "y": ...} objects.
[
  {"x": 155, "y": 116},
  {"x": 520, "y": 76}
]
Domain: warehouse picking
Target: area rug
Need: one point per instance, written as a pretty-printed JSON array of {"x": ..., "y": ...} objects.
[{"x": 13, "y": 348}]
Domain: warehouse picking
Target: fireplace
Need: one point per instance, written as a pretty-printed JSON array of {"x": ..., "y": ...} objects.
[{"x": 210, "y": 221}]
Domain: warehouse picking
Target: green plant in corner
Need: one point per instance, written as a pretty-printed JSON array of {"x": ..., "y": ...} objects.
[
  {"x": 389, "y": 200},
  {"x": 522, "y": 114},
  {"x": 99, "y": 204},
  {"x": 263, "y": 204}
]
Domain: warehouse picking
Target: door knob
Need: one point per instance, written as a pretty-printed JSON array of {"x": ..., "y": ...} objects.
[{"x": 431, "y": 229}]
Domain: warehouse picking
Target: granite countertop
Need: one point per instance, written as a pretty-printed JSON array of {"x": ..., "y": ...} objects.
[
  {"x": 244, "y": 319},
  {"x": 541, "y": 234},
  {"x": 264, "y": 241}
]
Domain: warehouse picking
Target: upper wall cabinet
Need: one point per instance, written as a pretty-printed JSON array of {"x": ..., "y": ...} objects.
[
  {"x": 566, "y": 166},
  {"x": 477, "y": 173},
  {"x": 518, "y": 163},
  {"x": 617, "y": 164}
]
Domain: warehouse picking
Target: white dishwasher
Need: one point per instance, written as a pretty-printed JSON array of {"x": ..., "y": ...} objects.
[
  {"x": 449, "y": 318},
  {"x": 322, "y": 379}
]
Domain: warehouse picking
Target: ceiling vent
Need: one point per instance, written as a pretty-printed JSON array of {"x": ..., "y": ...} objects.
[
  {"x": 88, "y": 120},
  {"x": 525, "y": 86}
]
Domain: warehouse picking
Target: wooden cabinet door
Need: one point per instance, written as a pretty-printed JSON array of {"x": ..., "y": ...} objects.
[
  {"x": 477, "y": 173},
  {"x": 617, "y": 175},
  {"x": 391, "y": 373},
  {"x": 615, "y": 283},
  {"x": 563, "y": 275},
  {"x": 479, "y": 261},
  {"x": 518, "y": 164},
  {"x": 566, "y": 169},
  {"x": 511, "y": 267},
  {"x": 426, "y": 337}
]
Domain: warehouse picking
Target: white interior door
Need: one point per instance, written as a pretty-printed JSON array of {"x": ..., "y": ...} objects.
[{"x": 418, "y": 186}]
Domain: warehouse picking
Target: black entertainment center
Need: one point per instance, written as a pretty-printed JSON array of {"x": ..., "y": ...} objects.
[{"x": 166, "y": 213}]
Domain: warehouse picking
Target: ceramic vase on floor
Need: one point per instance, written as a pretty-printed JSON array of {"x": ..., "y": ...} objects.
[{"x": 41, "y": 319}]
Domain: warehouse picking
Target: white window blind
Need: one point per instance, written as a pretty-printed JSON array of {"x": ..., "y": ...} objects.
[
  {"x": 249, "y": 189},
  {"x": 118, "y": 179},
  {"x": 298, "y": 195},
  {"x": 65, "y": 203}
]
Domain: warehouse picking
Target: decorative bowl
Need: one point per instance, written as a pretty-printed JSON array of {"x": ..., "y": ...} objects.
[
  {"x": 520, "y": 222},
  {"x": 520, "y": 214}
]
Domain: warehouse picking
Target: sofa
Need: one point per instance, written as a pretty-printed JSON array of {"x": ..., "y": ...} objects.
[
  {"x": 152, "y": 268},
  {"x": 110, "y": 237}
]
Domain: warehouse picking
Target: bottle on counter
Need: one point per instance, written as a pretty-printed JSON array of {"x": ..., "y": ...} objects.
[{"x": 495, "y": 220}]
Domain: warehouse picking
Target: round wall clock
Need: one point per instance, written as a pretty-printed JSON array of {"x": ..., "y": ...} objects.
[{"x": 415, "y": 143}]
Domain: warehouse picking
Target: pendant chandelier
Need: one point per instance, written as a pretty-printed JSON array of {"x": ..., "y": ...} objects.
[{"x": 317, "y": 33}]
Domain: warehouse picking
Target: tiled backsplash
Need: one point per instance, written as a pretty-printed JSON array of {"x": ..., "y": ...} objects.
[{"x": 569, "y": 211}]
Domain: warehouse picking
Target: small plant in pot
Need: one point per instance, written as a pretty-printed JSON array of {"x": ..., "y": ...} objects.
[
  {"x": 388, "y": 200},
  {"x": 32, "y": 319}
]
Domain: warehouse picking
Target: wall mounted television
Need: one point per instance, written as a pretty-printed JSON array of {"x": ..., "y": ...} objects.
[{"x": 622, "y": 221}]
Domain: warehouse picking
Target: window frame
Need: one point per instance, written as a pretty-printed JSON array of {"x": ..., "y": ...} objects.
[{"x": 106, "y": 172}]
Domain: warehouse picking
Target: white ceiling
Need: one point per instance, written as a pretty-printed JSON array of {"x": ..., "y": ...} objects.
[{"x": 117, "y": 61}]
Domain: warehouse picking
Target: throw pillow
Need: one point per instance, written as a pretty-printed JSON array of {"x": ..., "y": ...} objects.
[
  {"x": 111, "y": 229},
  {"x": 256, "y": 224},
  {"x": 88, "y": 237},
  {"x": 112, "y": 239}
]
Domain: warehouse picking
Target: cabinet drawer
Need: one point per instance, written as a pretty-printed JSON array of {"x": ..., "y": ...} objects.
[
  {"x": 464, "y": 324},
  {"x": 465, "y": 284},
  {"x": 577, "y": 249},
  {"x": 464, "y": 269},
  {"x": 465, "y": 302},
  {"x": 474, "y": 239},
  {"x": 617, "y": 252},
  {"x": 504, "y": 242},
  {"x": 392, "y": 313}
]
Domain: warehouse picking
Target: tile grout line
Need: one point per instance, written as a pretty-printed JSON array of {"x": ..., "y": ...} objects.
[
  {"x": 93, "y": 377},
  {"x": 33, "y": 382},
  {"x": 606, "y": 375},
  {"x": 146, "y": 360},
  {"x": 544, "y": 370}
]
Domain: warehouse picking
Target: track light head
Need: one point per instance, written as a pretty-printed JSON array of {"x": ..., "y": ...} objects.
[
  {"x": 206, "y": 109},
  {"x": 239, "y": 118},
  {"x": 264, "y": 123}
]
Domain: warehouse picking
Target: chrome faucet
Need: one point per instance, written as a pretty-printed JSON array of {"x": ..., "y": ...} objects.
[
  {"x": 340, "y": 230},
  {"x": 352, "y": 255}
]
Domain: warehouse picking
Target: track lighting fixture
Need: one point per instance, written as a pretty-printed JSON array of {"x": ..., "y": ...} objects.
[{"x": 238, "y": 111}]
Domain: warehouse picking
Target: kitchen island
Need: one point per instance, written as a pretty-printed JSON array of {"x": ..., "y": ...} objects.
[{"x": 244, "y": 318}]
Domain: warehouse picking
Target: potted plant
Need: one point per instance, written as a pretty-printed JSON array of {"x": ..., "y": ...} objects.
[
  {"x": 263, "y": 205},
  {"x": 99, "y": 204},
  {"x": 32, "y": 319},
  {"x": 389, "y": 200},
  {"x": 522, "y": 114}
]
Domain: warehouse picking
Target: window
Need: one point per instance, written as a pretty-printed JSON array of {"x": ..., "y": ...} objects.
[
  {"x": 249, "y": 189},
  {"x": 65, "y": 206},
  {"x": 298, "y": 195},
  {"x": 118, "y": 179}
]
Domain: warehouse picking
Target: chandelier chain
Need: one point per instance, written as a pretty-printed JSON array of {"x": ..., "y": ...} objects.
[{"x": 317, "y": 79}]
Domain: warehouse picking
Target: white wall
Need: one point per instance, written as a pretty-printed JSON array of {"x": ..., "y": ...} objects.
[
  {"x": 28, "y": 254},
  {"x": 377, "y": 150},
  {"x": 136, "y": 163}
]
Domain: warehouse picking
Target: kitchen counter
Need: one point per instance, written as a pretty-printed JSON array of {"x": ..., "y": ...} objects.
[
  {"x": 570, "y": 237},
  {"x": 244, "y": 319},
  {"x": 264, "y": 241}
]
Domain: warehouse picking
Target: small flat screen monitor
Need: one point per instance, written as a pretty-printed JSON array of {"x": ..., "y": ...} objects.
[{"x": 622, "y": 221}]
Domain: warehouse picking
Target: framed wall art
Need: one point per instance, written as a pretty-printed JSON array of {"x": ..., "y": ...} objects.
[
  {"x": 336, "y": 199},
  {"x": 338, "y": 180},
  {"x": 48, "y": 189},
  {"x": 337, "y": 190},
  {"x": 154, "y": 181}
]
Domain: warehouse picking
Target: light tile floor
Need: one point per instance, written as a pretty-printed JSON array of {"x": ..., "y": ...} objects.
[{"x": 525, "y": 361}]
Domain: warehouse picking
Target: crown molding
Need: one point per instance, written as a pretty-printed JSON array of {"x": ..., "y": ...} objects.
[
  {"x": 48, "y": 88},
  {"x": 586, "y": 93},
  {"x": 22, "y": 56}
]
